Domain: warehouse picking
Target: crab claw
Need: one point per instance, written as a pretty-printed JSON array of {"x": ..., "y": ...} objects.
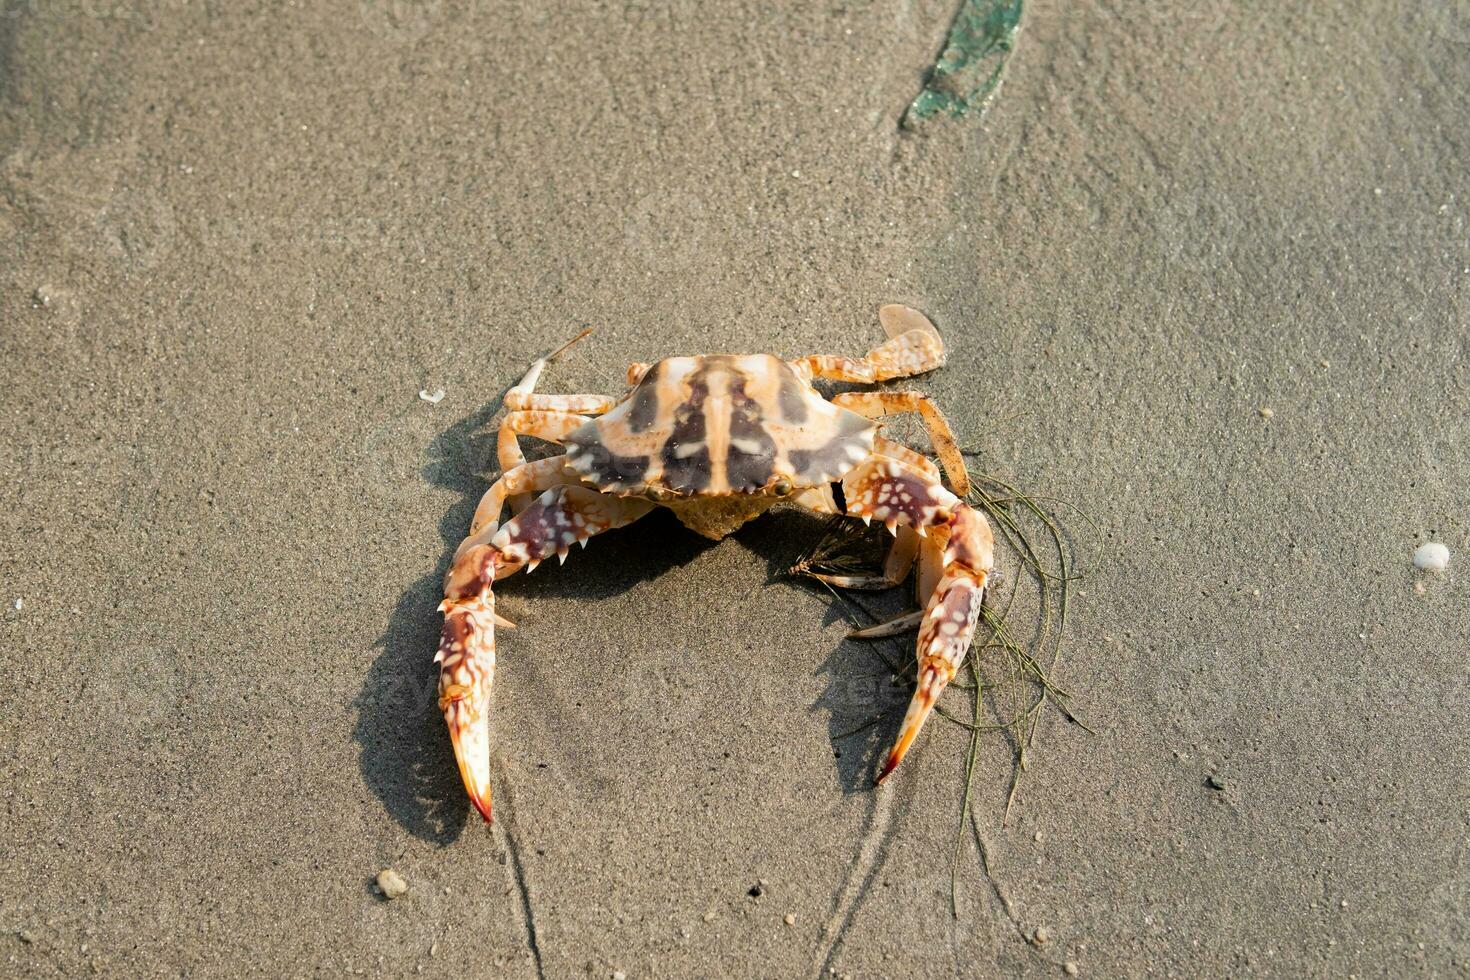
[
  {"x": 948, "y": 622},
  {"x": 466, "y": 661},
  {"x": 932, "y": 680},
  {"x": 466, "y": 670},
  {"x": 944, "y": 637}
]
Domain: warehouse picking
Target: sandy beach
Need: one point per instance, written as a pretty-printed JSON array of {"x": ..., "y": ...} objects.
[{"x": 1204, "y": 274}]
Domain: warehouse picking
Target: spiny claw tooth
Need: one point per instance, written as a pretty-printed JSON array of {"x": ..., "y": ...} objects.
[
  {"x": 867, "y": 520},
  {"x": 583, "y": 541},
  {"x": 892, "y": 525},
  {"x": 499, "y": 621},
  {"x": 531, "y": 565},
  {"x": 561, "y": 556}
]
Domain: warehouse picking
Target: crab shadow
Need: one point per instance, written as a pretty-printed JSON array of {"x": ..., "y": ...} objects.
[
  {"x": 405, "y": 757},
  {"x": 864, "y": 699}
]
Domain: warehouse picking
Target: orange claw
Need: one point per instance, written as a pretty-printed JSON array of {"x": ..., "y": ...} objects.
[
  {"x": 948, "y": 622},
  {"x": 466, "y": 661},
  {"x": 932, "y": 680}
]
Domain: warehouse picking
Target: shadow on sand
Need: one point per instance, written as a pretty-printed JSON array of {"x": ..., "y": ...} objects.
[
  {"x": 405, "y": 755},
  {"x": 862, "y": 703}
]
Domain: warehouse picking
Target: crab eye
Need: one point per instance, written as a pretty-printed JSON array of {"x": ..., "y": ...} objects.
[{"x": 781, "y": 487}]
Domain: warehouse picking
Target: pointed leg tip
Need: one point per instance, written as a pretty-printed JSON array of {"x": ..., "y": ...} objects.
[{"x": 484, "y": 808}]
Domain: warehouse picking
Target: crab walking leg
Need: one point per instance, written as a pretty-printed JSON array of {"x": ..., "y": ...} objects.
[
  {"x": 895, "y": 493},
  {"x": 915, "y": 352},
  {"x": 559, "y": 518},
  {"x": 876, "y": 404},
  {"x": 913, "y": 347},
  {"x": 896, "y": 565},
  {"x": 523, "y": 397},
  {"x": 548, "y": 425}
]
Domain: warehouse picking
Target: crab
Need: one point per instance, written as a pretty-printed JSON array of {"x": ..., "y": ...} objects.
[{"x": 718, "y": 439}]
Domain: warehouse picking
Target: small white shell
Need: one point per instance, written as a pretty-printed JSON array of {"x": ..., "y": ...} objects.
[{"x": 1432, "y": 557}]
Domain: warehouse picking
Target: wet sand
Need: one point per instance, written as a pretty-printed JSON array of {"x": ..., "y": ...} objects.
[{"x": 236, "y": 244}]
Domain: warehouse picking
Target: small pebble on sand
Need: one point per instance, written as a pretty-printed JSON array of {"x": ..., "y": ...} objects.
[
  {"x": 391, "y": 884},
  {"x": 790, "y": 919},
  {"x": 19, "y": 604},
  {"x": 1040, "y": 936},
  {"x": 1432, "y": 556},
  {"x": 1071, "y": 968},
  {"x": 432, "y": 399},
  {"x": 1267, "y": 413}
]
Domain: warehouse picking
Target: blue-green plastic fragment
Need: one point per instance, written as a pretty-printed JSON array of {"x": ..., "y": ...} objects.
[{"x": 969, "y": 69}]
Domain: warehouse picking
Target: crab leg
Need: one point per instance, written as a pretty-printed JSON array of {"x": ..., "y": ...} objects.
[
  {"x": 913, "y": 347},
  {"x": 905, "y": 545},
  {"x": 545, "y": 424},
  {"x": 523, "y": 398},
  {"x": 876, "y": 404},
  {"x": 522, "y": 480},
  {"x": 901, "y": 623},
  {"x": 559, "y": 518},
  {"x": 898, "y": 494},
  {"x": 895, "y": 567}
]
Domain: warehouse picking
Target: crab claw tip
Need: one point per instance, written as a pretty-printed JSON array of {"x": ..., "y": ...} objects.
[
  {"x": 474, "y": 770},
  {"x": 483, "y": 805},
  {"x": 891, "y": 763}
]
